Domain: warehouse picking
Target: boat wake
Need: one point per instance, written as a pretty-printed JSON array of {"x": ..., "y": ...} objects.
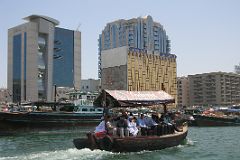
[
  {"x": 71, "y": 153},
  {"x": 187, "y": 142},
  {"x": 87, "y": 154},
  {"x": 190, "y": 142}
]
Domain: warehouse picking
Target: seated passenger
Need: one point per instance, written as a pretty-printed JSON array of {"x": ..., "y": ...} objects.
[
  {"x": 151, "y": 125},
  {"x": 142, "y": 124},
  {"x": 104, "y": 127},
  {"x": 150, "y": 122},
  {"x": 122, "y": 124},
  {"x": 167, "y": 119},
  {"x": 132, "y": 126}
]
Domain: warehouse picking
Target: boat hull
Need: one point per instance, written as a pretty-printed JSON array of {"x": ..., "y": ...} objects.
[
  {"x": 22, "y": 121},
  {"x": 135, "y": 144},
  {"x": 201, "y": 120}
]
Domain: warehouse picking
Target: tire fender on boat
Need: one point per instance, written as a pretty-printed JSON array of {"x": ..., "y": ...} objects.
[{"x": 107, "y": 143}]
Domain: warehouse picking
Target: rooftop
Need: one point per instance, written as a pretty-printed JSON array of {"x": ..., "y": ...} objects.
[{"x": 34, "y": 16}]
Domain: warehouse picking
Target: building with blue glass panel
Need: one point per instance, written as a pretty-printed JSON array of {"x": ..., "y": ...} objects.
[
  {"x": 64, "y": 55},
  {"x": 41, "y": 56},
  {"x": 141, "y": 33}
]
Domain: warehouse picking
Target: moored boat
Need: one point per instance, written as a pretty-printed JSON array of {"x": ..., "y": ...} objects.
[
  {"x": 206, "y": 120},
  {"x": 39, "y": 119},
  {"x": 117, "y": 143}
]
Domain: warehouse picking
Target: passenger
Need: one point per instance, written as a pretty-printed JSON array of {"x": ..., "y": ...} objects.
[
  {"x": 132, "y": 126},
  {"x": 151, "y": 125},
  {"x": 122, "y": 121},
  {"x": 105, "y": 127},
  {"x": 142, "y": 125},
  {"x": 122, "y": 124},
  {"x": 169, "y": 120},
  {"x": 156, "y": 118},
  {"x": 150, "y": 122}
]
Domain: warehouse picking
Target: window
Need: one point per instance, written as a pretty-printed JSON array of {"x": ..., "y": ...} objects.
[
  {"x": 84, "y": 109},
  {"x": 99, "y": 109}
]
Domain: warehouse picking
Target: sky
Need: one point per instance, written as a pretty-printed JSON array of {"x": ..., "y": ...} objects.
[{"x": 204, "y": 34}]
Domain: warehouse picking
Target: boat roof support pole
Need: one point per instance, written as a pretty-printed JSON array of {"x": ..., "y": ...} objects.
[{"x": 165, "y": 108}]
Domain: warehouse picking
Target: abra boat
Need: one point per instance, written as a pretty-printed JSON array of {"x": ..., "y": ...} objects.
[
  {"x": 47, "y": 118},
  {"x": 114, "y": 98}
]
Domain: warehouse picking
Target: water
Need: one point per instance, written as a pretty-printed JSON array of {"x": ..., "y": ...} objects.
[{"x": 216, "y": 143}]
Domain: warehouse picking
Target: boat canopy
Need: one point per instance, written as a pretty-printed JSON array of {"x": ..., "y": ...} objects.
[{"x": 122, "y": 98}]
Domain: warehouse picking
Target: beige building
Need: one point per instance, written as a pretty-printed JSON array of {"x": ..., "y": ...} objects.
[
  {"x": 5, "y": 96},
  {"x": 133, "y": 69},
  {"x": 214, "y": 89},
  {"x": 41, "y": 55},
  {"x": 182, "y": 92},
  {"x": 90, "y": 85}
]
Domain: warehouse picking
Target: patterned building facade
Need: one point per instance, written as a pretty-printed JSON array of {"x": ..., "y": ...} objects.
[{"x": 133, "y": 69}]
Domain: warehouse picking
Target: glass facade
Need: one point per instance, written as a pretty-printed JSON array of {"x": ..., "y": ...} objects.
[
  {"x": 42, "y": 50},
  {"x": 141, "y": 33},
  {"x": 63, "y": 58},
  {"x": 17, "y": 43}
]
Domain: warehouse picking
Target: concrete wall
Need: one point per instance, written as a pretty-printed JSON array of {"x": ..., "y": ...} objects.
[
  {"x": 77, "y": 60},
  {"x": 114, "y": 57},
  {"x": 114, "y": 78},
  {"x": 90, "y": 85},
  {"x": 31, "y": 64},
  {"x": 114, "y": 68}
]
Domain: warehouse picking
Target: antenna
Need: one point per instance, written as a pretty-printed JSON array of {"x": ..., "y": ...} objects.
[{"x": 79, "y": 25}]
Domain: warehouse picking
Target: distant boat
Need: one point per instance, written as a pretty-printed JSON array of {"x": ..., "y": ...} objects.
[
  {"x": 49, "y": 117},
  {"x": 206, "y": 120}
]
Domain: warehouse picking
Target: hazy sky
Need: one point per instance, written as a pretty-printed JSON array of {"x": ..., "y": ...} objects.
[{"x": 204, "y": 34}]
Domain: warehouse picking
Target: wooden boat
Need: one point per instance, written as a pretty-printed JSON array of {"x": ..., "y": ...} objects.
[
  {"x": 206, "y": 120},
  {"x": 130, "y": 143}
]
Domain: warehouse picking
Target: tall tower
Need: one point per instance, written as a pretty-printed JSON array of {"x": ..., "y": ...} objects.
[
  {"x": 141, "y": 33},
  {"x": 31, "y": 55}
]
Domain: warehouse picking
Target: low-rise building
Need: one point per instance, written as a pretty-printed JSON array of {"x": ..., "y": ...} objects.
[
  {"x": 182, "y": 92},
  {"x": 214, "y": 89},
  {"x": 5, "y": 95}
]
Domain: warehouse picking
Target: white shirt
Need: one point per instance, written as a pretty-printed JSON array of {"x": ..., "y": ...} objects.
[
  {"x": 100, "y": 127},
  {"x": 132, "y": 127}
]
